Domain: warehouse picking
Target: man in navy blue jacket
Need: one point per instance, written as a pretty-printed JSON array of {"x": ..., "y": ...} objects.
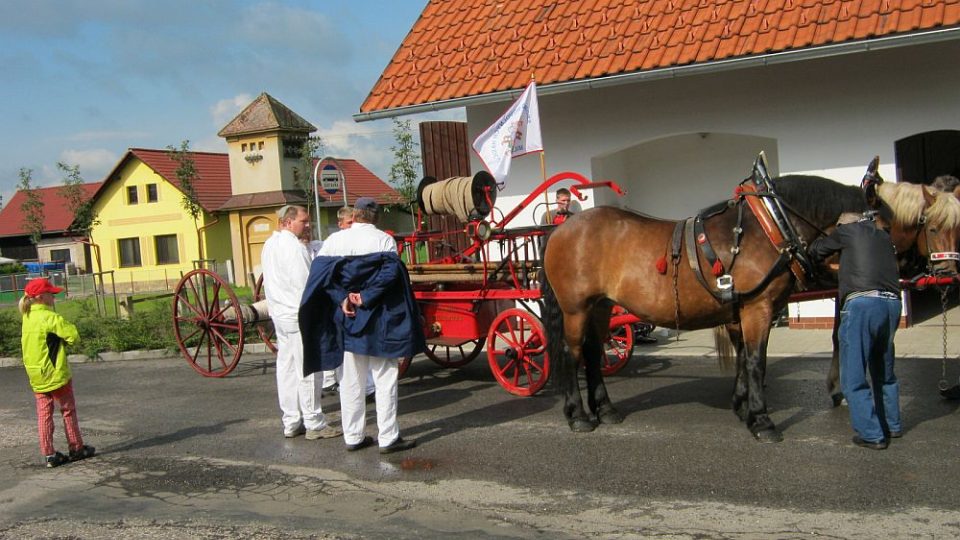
[{"x": 358, "y": 310}]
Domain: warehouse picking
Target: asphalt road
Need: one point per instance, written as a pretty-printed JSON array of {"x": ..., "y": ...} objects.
[{"x": 186, "y": 457}]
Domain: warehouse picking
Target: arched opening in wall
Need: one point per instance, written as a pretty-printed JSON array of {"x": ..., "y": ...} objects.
[
  {"x": 920, "y": 159},
  {"x": 258, "y": 229},
  {"x": 673, "y": 177},
  {"x": 925, "y": 156}
]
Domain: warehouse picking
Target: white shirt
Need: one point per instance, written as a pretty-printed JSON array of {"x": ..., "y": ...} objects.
[
  {"x": 286, "y": 265},
  {"x": 359, "y": 239}
]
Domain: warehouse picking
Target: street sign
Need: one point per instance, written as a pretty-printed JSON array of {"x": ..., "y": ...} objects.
[{"x": 330, "y": 178}]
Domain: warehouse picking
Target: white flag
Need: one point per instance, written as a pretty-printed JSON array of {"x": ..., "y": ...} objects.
[{"x": 514, "y": 134}]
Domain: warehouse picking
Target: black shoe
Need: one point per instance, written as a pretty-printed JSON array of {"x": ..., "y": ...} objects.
[
  {"x": 56, "y": 460},
  {"x": 332, "y": 389},
  {"x": 896, "y": 434},
  {"x": 951, "y": 393},
  {"x": 83, "y": 453},
  {"x": 365, "y": 442},
  {"x": 398, "y": 445},
  {"x": 371, "y": 397},
  {"x": 875, "y": 445}
]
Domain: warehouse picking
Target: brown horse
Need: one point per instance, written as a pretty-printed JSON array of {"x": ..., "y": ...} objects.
[
  {"x": 607, "y": 256},
  {"x": 922, "y": 222}
]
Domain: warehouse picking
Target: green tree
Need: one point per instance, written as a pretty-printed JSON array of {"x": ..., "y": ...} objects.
[
  {"x": 310, "y": 151},
  {"x": 81, "y": 206},
  {"x": 188, "y": 177},
  {"x": 406, "y": 160},
  {"x": 32, "y": 207}
]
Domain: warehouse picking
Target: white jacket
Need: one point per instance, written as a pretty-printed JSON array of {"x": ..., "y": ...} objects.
[{"x": 286, "y": 263}]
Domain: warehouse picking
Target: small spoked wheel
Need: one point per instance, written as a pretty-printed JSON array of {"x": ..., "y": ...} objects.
[
  {"x": 454, "y": 356},
  {"x": 207, "y": 323},
  {"x": 516, "y": 350},
  {"x": 617, "y": 350},
  {"x": 265, "y": 329}
]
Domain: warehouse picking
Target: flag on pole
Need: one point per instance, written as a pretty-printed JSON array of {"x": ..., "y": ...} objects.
[{"x": 514, "y": 134}]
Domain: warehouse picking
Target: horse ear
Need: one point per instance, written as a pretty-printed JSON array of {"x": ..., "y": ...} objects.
[
  {"x": 928, "y": 197},
  {"x": 874, "y": 165},
  {"x": 871, "y": 179}
]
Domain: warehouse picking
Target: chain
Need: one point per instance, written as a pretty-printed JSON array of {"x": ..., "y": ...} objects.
[
  {"x": 943, "y": 362},
  {"x": 676, "y": 296}
]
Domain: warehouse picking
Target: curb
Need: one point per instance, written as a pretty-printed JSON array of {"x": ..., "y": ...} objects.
[{"x": 110, "y": 356}]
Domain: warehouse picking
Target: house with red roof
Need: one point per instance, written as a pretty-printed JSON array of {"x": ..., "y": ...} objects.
[
  {"x": 673, "y": 99},
  {"x": 58, "y": 243}
]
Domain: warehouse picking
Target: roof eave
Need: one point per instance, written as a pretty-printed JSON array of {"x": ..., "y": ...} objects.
[{"x": 825, "y": 51}]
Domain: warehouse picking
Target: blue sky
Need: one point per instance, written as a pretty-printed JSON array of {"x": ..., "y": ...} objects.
[{"x": 86, "y": 79}]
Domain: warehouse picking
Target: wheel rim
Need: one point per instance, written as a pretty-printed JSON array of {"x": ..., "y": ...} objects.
[
  {"x": 454, "y": 356},
  {"x": 617, "y": 349},
  {"x": 203, "y": 334},
  {"x": 516, "y": 350},
  {"x": 265, "y": 329}
]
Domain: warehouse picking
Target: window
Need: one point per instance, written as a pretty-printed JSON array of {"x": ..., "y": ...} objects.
[
  {"x": 132, "y": 195},
  {"x": 151, "y": 193},
  {"x": 243, "y": 147},
  {"x": 260, "y": 145},
  {"x": 60, "y": 255},
  {"x": 167, "y": 251},
  {"x": 129, "y": 252}
]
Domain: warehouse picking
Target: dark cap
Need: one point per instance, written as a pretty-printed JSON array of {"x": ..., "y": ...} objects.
[
  {"x": 38, "y": 286},
  {"x": 366, "y": 203}
]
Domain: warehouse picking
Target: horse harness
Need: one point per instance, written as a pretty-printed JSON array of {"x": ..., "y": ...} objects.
[{"x": 756, "y": 193}]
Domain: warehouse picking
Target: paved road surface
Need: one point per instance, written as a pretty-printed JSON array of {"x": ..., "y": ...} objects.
[{"x": 188, "y": 457}]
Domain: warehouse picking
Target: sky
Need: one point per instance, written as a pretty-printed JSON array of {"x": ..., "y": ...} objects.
[{"x": 84, "y": 80}]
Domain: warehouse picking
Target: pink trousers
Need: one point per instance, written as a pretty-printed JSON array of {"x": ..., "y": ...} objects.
[{"x": 63, "y": 396}]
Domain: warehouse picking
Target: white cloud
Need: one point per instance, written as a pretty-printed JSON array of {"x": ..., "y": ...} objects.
[
  {"x": 94, "y": 163},
  {"x": 225, "y": 110},
  {"x": 89, "y": 136}
]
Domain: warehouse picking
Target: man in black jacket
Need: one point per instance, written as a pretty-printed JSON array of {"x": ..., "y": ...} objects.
[{"x": 869, "y": 316}]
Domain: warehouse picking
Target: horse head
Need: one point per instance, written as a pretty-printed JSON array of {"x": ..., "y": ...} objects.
[{"x": 919, "y": 218}]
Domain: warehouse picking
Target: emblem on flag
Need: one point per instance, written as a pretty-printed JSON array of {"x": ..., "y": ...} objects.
[{"x": 515, "y": 133}]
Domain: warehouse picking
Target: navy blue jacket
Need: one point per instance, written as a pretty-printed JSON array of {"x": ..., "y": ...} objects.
[{"x": 386, "y": 325}]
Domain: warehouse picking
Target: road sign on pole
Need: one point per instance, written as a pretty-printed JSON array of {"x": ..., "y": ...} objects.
[{"x": 330, "y": 178}]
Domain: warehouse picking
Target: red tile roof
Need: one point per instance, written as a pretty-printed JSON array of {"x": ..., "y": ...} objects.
[
  {"x": 459, "y": 49},
  {"x": 361, "y": 183},
  {"x": 56, "y": 216},
  {"x": 213, "y": 169}
]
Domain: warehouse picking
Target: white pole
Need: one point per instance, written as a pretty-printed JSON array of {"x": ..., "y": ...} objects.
[{"x": 316, "y": 196}]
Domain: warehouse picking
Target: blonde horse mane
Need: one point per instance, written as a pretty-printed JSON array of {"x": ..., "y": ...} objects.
[{"x": 908, "y": 204}]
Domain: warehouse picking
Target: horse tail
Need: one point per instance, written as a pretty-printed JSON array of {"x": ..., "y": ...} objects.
[
  {"x": 726, "y": 354},
  {"x": 552, "y": 318}
]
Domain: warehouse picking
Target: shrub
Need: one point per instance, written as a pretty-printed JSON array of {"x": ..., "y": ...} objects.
[{"x": 9, "y": 332}]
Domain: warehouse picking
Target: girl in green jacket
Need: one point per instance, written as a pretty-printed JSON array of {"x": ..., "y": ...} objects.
[{"x": 43, "y": 341}]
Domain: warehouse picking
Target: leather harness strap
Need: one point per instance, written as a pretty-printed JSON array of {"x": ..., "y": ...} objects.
[{"x": 769, "y": 226}]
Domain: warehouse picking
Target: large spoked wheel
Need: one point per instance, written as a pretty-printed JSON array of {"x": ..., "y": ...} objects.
[
  {"x": 210, "y": 342},
  {"x": 516, "y": 349},
  {"x": 265, "y": 329},
  {"x": 454, "y": 356},
  {"x": 618, "y": 349}
]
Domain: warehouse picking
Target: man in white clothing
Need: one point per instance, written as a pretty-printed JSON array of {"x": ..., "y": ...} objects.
[
  {"x": 286, "y": 263},
  {"x": 363, "y": 238}
]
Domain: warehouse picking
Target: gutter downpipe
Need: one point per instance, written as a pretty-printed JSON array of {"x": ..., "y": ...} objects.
[{"x": 933, "y": 36}]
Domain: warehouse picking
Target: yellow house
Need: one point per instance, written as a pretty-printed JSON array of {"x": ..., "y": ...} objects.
[{"x": 145, "y": 237}]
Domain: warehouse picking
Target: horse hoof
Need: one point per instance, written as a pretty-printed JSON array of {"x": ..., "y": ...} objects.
[
  {"x": 610, "y": 417},
  {"x": 581, "y": 425},
  {"x": 837, "y": 399},
  {"x": 768, "y": 435}
]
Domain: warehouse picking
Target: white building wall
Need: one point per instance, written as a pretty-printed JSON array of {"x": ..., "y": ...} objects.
[{"x": 827, "y": 117}]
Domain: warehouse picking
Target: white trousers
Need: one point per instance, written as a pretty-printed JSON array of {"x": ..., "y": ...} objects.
[
  {"x": 353, "y": 411},
  {"x": 335, "y": 375},
  {"x": 299, "y": 396}
]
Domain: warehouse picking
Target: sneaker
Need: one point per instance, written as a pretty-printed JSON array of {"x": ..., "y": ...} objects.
[
  {"x": 82, "y": 453},
  {"x": 365, "y": 442},
  {"x": 873, "y": 445},
  {"x": 896, "y": 434},
  {"x": 398, "y": 445},
  {"x": 328, "y": 432},
  {"x": 56, "y": 460},
  {"x": 332, "y": 389},
  {"x": 291, "y": 433}
]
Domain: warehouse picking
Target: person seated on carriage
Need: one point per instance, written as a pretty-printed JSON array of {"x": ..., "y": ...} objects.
[
  {"x": 562, "y": 212},
  {"x": 869, "y": 315}
]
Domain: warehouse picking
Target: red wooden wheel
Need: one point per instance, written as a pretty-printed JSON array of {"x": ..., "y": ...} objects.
[
  {"x": 617, "y": 350},
  {"x": 211, "y": 343},
  {"x": 516, "y": 349},
  {"x": 265, "y": 329},
  {"x": 454, "y": 356}
]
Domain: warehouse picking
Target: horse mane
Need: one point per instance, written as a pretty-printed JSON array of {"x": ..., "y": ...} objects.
[
  {"x": 819, "y": 199},
  {"x": 907, "y": 203}
]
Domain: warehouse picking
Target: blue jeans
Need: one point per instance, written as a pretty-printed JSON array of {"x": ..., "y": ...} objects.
[{"x": 867, "y": 329}]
